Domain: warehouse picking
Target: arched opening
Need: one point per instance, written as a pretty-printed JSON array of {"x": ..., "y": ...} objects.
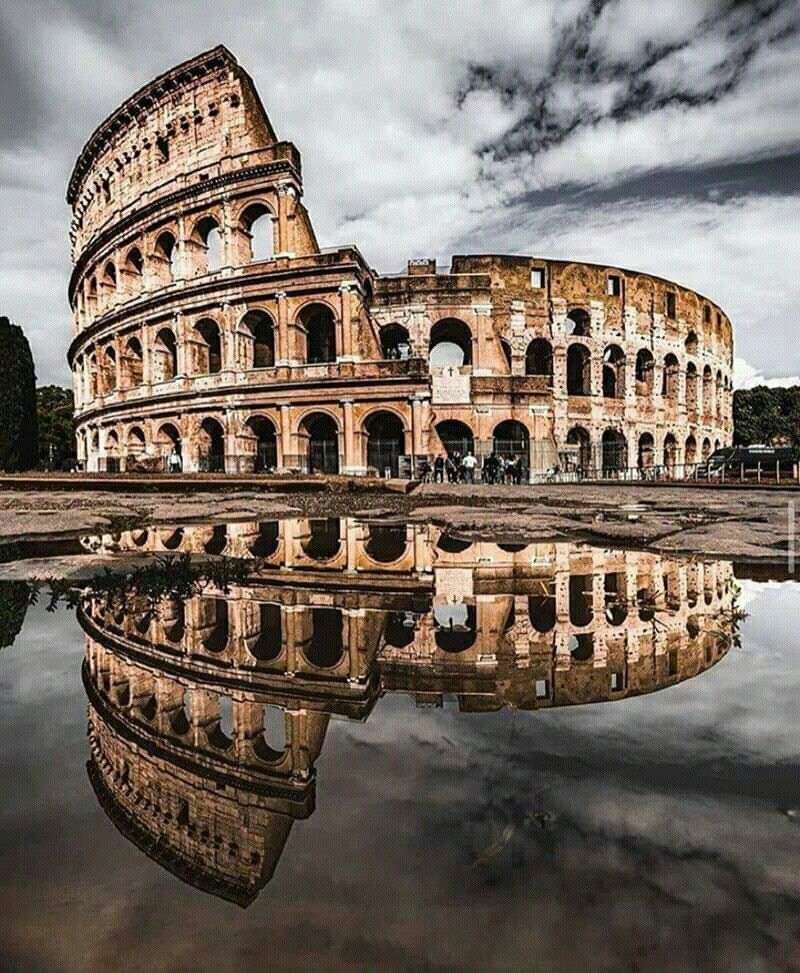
[
  {"x": 213, "y": 624},
  {"x": 690, "y": 453},
  {"x": 168, "y": 443},
  {"x": 320, "y": 328},
  {"x": 511, "y": 440},
  {"x": 539, "y": 358},
  {"x": 448, "y": 544},
  {"x": 132, "y": 363},
  {"x": 613, "y": 372},
  {"x": 450, "y": 344},
  {"x": 173, "y": 615},
  {"x": 267, "y": 645},
  {"x": 719, "y": 395},
  {"x": 616, "y": 606},
  {"x": 134, "y": 262},
  {"x": 109, "y": 278},
  {"x": 578, "y": 323},
  {"x": 135, "y": 443},
  {"x": 581, "y": 647},
  {"x": 211, "y": 441},
  {"x": 208, "y": 244},
  {"x": 165, "y": 356},
  {"x": 108, "y": 369},
  {"x": 580, "y": 600},
  {"x": 691, "y": 344},
  {"x": 456, "y": 437},
  {"x": 670, "y": 380},
  {"x": 264, "y": 442},
  {"x": 165, "y": 254},
  {"x": 324, "y": 539},
  {"x": 691, "y": 387},
  {"x": 706, "y": 448},
  {"x": 455, "y": 627},
  {"x": 400, "y": 629},
  {"x": 395, "y": 342},
  {"x": 325, "y": 648},
  {"x": 258, "y": 227},
  {"x": 270, "y": 745},
  {"x": 258, "y": 334},
  {"x": 542, "y": 608},
  {"x": 646, "y": 454},
  {"x": 218, "y": 540},
  {"x": 207, "y": 348},
  {"x": 670, "y": 453},
  {"x": 172, "y": 541},
  {"x": 385, "y": 442},
  {"x": 645, "y": 370},
  {"x": 267, "y": 539},
  {"x": 578, "y": 436},
  {"x": 322, "y": 443},
  {"x": 615, "y": 452},
  {"x": 579, "y": 370},
  {"x": 386, "y": 544}
]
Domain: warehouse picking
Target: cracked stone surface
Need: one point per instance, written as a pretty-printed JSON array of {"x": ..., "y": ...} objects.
[{"x": 745, "y": 524}]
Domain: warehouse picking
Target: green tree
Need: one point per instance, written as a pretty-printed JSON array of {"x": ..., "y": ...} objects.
[
  {"x": 14, "y": 598},
  {"x": 767, "y": 415},
  {"x": 18, "y": 420},
  {"x": 56, "y": 426}
]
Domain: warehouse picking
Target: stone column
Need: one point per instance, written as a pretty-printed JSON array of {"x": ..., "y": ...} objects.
[
  {"x": 350, "y": 464},
  {"x": 416, "y": 426},
  {"x": 286, "y": 444},
  {"x": 345, "y": 350},
  {"x": 483, "y": 325},
  {"x": 118, "y": 363},
  {"x": 284, "y": 352},
  {"x": 285, "y": 192},
  {"x": 147, "y": 355}
]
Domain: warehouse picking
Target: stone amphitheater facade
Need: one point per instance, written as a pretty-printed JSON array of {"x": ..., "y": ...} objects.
[{"x": 209, "y": 323}]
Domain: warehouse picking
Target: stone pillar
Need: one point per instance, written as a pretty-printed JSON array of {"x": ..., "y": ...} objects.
[
  {"x": 483, "y": 328},
  {"x": 287, "y": 447},
  {"x": 416, "y": 426},
  {"x": 118, "y": 363},
  {"x": 345, "y": 349},
  {"x": 350, "y": 464},
  {"x": 351, "y": 536},
  {"x": 147, "y": 355},
  {"x": 285, "y": 194},
  {"x": 181, "y": 363},
  {"x": 284, "y": 354}
]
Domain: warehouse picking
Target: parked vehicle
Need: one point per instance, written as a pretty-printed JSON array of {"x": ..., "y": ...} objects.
[{"x": 749, "y": 459}]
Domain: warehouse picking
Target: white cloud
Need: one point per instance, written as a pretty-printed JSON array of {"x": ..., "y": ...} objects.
[
  {"x": 376, "y": 96},
  {"x": 746, "y": 376}
]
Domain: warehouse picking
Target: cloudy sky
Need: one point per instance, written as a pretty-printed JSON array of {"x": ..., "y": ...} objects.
[{"x": 659, "y": 136}]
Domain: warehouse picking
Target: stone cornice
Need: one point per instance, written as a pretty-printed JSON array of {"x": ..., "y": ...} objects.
[
  {"x": 274, "y": 278},
  {"x": 143, "y": 101},
  {"x": 179, "y": 196}
]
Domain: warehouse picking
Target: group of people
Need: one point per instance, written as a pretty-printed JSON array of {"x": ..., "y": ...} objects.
[{"x": 457, "y": 468}]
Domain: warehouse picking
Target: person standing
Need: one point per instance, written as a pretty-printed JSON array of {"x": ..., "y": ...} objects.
[{"x": 469, "y": 463}]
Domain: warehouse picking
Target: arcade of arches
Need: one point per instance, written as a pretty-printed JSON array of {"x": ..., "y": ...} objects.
[{"x": 210, "y": 326}]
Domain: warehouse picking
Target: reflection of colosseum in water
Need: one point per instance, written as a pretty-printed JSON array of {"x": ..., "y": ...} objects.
[
  {"x": 207, "y": 717},
  {"x": 208, "y": 320}
]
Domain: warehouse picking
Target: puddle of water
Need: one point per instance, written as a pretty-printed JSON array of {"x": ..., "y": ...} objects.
[{"x": 365, "y": 732}]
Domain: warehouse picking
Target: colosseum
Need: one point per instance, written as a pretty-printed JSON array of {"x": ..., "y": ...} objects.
[{"x": 212, "y": 333}]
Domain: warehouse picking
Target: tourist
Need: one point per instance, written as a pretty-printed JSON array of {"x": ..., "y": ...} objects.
[
  {"x": 174, "y": 461},
  {"x": 438, "y": 468},
  {"x": 468, "y": 464},
  {"x": 451, "y": 468}
]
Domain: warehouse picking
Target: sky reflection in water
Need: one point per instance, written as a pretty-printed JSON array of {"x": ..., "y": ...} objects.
[{"x": 654, "y": 830}]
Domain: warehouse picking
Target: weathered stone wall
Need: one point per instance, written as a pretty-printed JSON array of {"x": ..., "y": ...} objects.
[{"x": 208, "y": 320}]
